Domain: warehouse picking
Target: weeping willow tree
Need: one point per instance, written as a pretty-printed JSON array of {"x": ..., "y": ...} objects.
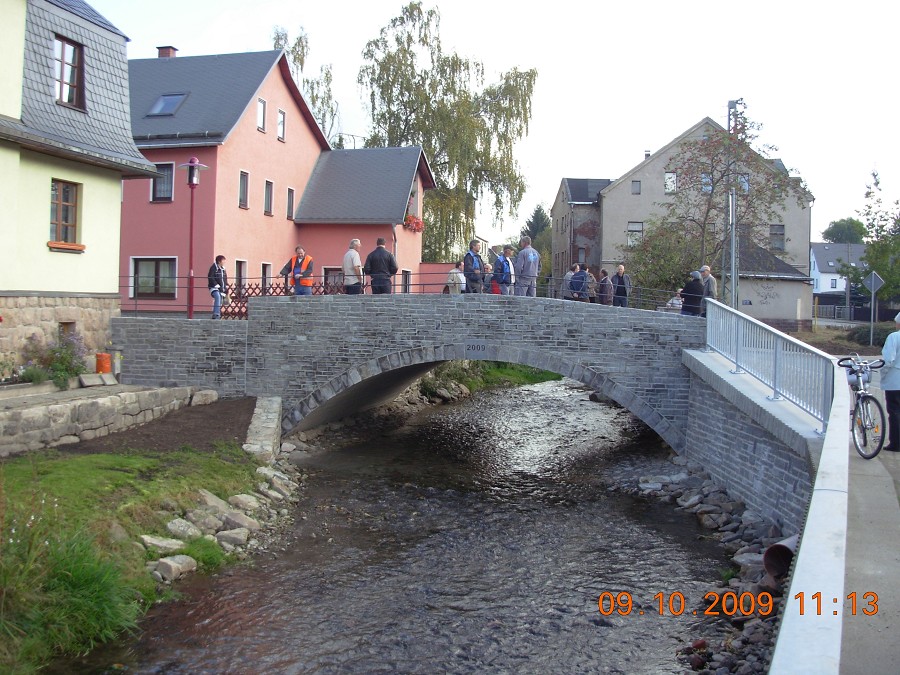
[
  {"x": 316, "y": 90},
  {"x": 418, "y": 95}
]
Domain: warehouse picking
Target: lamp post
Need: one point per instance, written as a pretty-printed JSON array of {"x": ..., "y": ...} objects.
[
  {"x": 193, "y": 167},
  {"x": 730, "y": 265}
]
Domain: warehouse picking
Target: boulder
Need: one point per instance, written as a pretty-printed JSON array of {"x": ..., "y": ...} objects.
[
  {"x": 175, "y": 566},
  {"x": 207, "y": 498},
  {"x": 182, "y": 529},
  {"x": 204, "y": 397},
  {"x": 231, "y": 538},
  {"x": 236, "y": 519},
  {"x": 161, "y": 544},
  {"x": 244, "y": 502}
]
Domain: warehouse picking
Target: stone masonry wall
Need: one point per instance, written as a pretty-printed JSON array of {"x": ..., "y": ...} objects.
[
  {"x": 26, "y": 315},
  {"x": 81, "y": 419},
  {"x": 298, "y": 347},
  {"x": 769, "y": 476}
]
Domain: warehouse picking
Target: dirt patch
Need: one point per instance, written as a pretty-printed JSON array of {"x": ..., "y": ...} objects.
[{"x": 199, "y": 427}]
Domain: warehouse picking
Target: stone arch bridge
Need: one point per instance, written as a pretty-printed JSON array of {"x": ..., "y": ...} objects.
[{"x": 331, "y": 356}]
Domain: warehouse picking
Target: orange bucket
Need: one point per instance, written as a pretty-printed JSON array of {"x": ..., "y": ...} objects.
[{"x": 104, "y": 363}]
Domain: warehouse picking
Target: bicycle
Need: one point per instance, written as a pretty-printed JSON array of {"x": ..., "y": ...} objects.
[{"x": 867, "y": 422}]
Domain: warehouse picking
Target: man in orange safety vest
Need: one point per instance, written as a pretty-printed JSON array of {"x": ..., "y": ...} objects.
[{"x": 299, "y": 271}]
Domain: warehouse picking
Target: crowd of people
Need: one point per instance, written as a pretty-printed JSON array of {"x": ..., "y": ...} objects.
[{"x": 511, "y": 274}]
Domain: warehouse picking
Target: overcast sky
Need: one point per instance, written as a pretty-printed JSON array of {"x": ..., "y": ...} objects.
[{"x": 614, "y": 79}]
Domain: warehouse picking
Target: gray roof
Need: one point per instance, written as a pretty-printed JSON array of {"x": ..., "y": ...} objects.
[
  {"x": 837, "y": 254},
  {"x": 85, "y": 11},
  {"x": 218, "y": 89},
  {"x": 584, "y": 190},
  {"x": 755, "y": 261},
  {"x": 100, "y": 134},
  {"x": 365, "y": 186}
]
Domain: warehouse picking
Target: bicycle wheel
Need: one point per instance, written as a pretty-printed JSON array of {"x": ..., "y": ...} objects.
[{"x": 868, "y": 426}]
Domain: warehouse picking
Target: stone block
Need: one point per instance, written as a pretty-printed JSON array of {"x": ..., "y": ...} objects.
[
  {"x": 182, "y": 529},
  {"x": 231, "y": 538},
  {"x": 161, "y": 544},
  {"x": 175, "y": 567},
  {"x": 90, "y": 380},
  {"x": 244, "y": 502},
  {"x": 204, "y": 397},
  {"x": 236, "y": 519},
  {"x": 207, "y": 498}
]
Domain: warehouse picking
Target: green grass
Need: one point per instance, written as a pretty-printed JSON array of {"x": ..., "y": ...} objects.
[
  {"x": 478, "y": 375},
  {"x": 65, "y": 582}
]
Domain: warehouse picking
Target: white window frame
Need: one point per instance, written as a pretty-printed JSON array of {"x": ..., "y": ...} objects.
[
  {"x": 670, "y": 182},
  {"x": 290, "y": 203},
  {"x": 153, "y": 183},
  {"x": 634, "y": 234},
  {"x": 281, "y": 124},
  {"x": 261, "y": 114},
  {"x": 268, "y": 197}
]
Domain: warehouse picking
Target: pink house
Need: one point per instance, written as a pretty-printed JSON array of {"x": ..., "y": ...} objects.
[{"x": 272, "y": 182}]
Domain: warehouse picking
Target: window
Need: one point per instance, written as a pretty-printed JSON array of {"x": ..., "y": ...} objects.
[
  {"x": 161, "y": 188},
  {"x": 834, "y": 283},
  {"x": 68, "y": 71},
  {"x": 240, "y": 277},
  {"x": 635, "y": 234},
  {"x": 334, "y": 280},
  {"x": 166, "y": 104},
  {"x": 260, "y": 114},
  {"x": 635, "y": 187},
  {"x": 405, "y": 281},
  {"x": 831, "y": 263},
  {"x": 776, "y": 237},
  {"x": 581, "y": 254},
  {"x": 243, "y": 190},
  {"x": 63, "y": 212},
  {"x": 266, "y": 277},
  {"x": 744, "y": 182},
  {"x": 281, "y": 125},
  {"x": 267, "y": 198},
  {"x": 706, "y": 183},
  {"x": 290, "y": 203},
  {"x": 671, "y": 182},
  {"x": 154, "y": 277}
]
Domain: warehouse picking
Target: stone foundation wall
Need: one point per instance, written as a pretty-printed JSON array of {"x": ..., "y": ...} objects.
[
  {"x": 81, "y": 419},
  {"x": 41, "y": 314}
]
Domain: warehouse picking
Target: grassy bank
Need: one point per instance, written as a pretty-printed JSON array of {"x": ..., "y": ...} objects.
[
  {"x": 477, "y": 375},
  {"x": 71, "y": 574}
]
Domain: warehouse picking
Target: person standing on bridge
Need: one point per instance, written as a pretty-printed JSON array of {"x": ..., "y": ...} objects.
[
  {"x": 527, "y": 266},
  {"x": 621, "y": 287},
  {"x": 456, "y": 280},
  {"x": 605, "y": 290},
  {"x": 381, "y": 266},
  {"x": 692, "y": 296},
  {"x": 217, "y": 279},
  {"x": 504, "y": 274},
  {"x": 890, "y": 385},
  {"x": 710, "y": 287},
  {"x": 299, "y": 270},
  {"x": 352, "y": 268},
  {"x": 473, "y": 268}
]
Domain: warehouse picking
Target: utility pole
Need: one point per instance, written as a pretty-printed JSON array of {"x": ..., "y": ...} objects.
[{"x": 730, "y": 243}]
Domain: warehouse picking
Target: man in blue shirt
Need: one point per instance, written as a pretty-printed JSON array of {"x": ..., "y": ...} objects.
[{"x": 473, "y": 268}]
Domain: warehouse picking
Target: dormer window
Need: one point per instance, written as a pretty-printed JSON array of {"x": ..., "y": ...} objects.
[
  {"x": 68, "y": 71},
  {"x": 166, "y": 104}
]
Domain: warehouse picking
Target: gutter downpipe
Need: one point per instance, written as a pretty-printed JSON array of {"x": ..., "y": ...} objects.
[{"x": 811, "y": 642}]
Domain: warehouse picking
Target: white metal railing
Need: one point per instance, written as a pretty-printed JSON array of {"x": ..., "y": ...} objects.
[{"x": 795, "y": 371}]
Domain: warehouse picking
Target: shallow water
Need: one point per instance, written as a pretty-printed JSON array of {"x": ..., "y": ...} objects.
[{"x": 476, "y": 539}]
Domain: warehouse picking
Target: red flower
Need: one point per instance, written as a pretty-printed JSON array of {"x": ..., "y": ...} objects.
[{"x": 413, "y": 223}]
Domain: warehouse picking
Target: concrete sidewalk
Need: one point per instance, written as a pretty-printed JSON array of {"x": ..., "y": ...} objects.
[{"x": 869, "y": 643}]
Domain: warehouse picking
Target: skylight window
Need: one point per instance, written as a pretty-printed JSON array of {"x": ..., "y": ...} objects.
[{"x": 167, "y": 104}]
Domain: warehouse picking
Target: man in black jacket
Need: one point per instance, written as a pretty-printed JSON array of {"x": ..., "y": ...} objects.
[
  {"x": 692, "y": 296},
  {"x": 380, "y": 266},
  {"x": 217, "y": 280}
]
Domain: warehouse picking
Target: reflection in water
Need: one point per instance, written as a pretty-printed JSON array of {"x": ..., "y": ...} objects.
[{"x": 475, "y": 540}]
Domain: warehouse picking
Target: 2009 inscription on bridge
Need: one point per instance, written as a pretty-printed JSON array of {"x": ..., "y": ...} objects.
[{"x": 476, "y": 349}]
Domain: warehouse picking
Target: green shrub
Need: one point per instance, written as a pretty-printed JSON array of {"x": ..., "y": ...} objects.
[
  {"x": 880, "y": 331},
  {"x": 62, "y": 360},
  {"x": 208, "y": 554},
  {"x": 34, "y": 374}
]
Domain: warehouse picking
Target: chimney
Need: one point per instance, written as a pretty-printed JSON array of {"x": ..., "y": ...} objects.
[
  {"x": 167, "y": 52},
  {"x": 646, "y": 152}
]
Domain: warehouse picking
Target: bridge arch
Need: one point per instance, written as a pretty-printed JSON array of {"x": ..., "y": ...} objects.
[{"x": 379, "y": 380}]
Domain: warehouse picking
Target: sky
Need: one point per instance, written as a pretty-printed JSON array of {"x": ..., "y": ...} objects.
[{"x": 614, "y": 79}]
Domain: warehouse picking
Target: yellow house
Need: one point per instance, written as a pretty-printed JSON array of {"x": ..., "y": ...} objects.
[{"x": 65, "y": 146}]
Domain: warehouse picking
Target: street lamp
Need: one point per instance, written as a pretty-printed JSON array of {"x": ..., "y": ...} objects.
[{"x": 193, "y": 167}]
